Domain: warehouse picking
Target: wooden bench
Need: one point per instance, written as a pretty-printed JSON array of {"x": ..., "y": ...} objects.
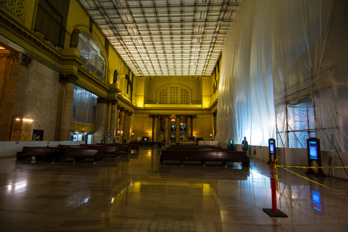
[
  {"x": 144, "y": 143},
  {"x": 188, "y": 147},
  {"x": 78, "y": 153},
  {"x": 222, "y": 155},
  {"x": 135, "y": 146},
  {"x": 111, "y": 150},
  {"x": 122, "y": 147},
  {"x": 38, "y": 152}
]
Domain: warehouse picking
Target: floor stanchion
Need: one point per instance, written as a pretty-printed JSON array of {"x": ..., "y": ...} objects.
[{"x": 274, "y": 212}]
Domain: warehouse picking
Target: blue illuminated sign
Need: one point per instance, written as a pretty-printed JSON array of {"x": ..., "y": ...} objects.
[
  {"x": 313, "y": 150},
  {"x": 316, "y": 200},
  {"x": 271, "y": 147}
]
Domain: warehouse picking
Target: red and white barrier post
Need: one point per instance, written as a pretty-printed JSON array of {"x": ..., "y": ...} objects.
[
  {"x": 274, "y": 212},
  {"x": 273, "y": 187}
]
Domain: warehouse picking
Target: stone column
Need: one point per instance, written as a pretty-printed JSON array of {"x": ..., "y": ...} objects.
[
  {"x": 214, "y": 125},
  {"x": 192, "y": 126},
  {"x": 9, "y": 74},
  {"x": 155, "y": 129},
  {"x": 101, "y": 120},
  {"x": 67, "y": 111},
  {"x": 127, "y": 125},
  {"x": 177, "y": 131},
  {"x": 166, "y": 132},
  {"x": 121, "y": 125},
  {"x": 113, "y": 120},
  {"x": 188, "y": 126}
]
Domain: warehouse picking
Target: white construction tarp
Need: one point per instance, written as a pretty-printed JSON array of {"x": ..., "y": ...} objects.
[{"x": 284, "y": 74}]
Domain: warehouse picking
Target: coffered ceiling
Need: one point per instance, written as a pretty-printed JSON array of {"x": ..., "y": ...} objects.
[{"x": 165, "y": 37}]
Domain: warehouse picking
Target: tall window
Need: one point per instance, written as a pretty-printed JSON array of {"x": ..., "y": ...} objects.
[
  {"x": 51, "y": 19},
  {"x": 92, "y": 54},
  {"x": 84, "y": 107}
]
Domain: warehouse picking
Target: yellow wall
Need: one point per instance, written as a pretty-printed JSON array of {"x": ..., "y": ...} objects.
[
  {"x": 207, "y": 91},
  {"x": 141, "y": 126},
  {"x": 202, "y": 126},
  {"x": 153, "y": 84},
  {"x": 139, "y": 91}
]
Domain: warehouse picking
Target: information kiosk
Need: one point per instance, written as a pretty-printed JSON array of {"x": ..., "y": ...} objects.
[
  {"x": 245, "y": 145},
  {"x": 230, "y": 144},
  {"x": 271, "y": 150},
  {"x": 314, "y": 154}
]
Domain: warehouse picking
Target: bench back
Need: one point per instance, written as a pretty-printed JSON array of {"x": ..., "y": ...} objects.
[
  {"x": 82, "y": 151},
  {"x": 208, "y": 155},
  {"x": 178, "y": 147},
  {"x": 39, "y": 150}
]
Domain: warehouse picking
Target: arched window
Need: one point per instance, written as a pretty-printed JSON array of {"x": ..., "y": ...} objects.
[{"x": 92, "y": 54}]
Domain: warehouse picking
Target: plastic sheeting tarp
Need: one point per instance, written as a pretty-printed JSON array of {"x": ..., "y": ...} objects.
[
  {"x": 284, "y": 73},
  {"x": 84, "y": 106}
]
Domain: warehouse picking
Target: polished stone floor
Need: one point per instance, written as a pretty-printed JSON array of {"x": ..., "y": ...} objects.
[{"x": 134, "y": 193}]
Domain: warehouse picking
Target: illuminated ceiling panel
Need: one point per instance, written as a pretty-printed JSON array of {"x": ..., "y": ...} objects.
[{"x": 165, "y": 37}]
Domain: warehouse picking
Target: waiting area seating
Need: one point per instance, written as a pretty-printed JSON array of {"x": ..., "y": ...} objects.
[
  {"x": 95, "y": 152},
  {"x": 204, "y": 154},
  {"x": 36, "y": 152}
]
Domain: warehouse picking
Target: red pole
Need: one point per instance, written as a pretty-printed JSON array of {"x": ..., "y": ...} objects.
[{"x": 273, "y": 187}]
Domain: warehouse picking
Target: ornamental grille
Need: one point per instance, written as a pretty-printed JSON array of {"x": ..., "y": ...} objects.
[
  {"x": 164, "y": 96},
  {"x": 16, "y": 6},
  {"x": 184, "y": 96},
  {"x": 173, "y": 95}
]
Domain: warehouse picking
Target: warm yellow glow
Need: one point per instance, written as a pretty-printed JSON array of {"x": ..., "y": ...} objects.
[
  {"x": 206, "y": 189},
  {"x": 18, "y": 119},
  {"x": 112, "y": 200},
  {"x": 136, "y": 186},
  {"x": 1, "y": 48},
  {"x": 27, "y": 120}
]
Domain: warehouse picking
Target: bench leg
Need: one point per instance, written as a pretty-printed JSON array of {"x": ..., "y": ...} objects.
[
  {"x": 182, "y": 163},
  {"x": 246, "y": 164},
  {"x": 224, "y": 164},
  {"x": 203, "y": 163},
  {"x": 163, "y": 163}
]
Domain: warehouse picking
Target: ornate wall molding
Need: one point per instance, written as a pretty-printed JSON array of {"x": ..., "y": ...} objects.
[
  {"x": 102, "y": 100},
  {"x": 74, "y": 40},
  {"x": 29, "y": 36},
  {"x": 25, "y": 60},
  {"x": 68, "y": 78},
  {"x": 113, "y": 102}
]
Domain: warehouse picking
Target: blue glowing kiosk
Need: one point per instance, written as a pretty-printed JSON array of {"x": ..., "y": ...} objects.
[
  {"x": 314, "y": 154},
  {"x": 271, "y": 150},
  {"x": 230, "y": 144}
]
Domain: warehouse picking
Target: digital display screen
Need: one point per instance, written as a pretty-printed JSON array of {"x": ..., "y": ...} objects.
[
  {"x": 271, "y": 147},
  {"x": 231, "y": 141},
  {"x": 316, "y": 200},
  {"x": 313, "y": 150}
]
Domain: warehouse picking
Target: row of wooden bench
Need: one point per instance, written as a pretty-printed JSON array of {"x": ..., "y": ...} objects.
[
  {"x": 203, "y": 154},
  {"x": 77, "y": 152}
]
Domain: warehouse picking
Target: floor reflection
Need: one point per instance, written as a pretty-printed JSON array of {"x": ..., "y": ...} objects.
[{"x": 133, "y": 192}]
